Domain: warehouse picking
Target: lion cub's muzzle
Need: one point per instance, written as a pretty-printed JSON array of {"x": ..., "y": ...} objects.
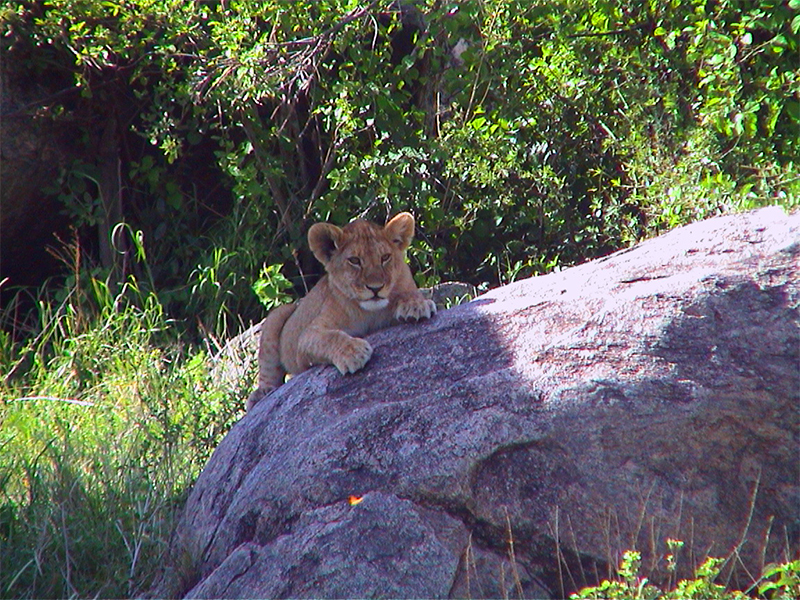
[{"x": 378, "y": 300}]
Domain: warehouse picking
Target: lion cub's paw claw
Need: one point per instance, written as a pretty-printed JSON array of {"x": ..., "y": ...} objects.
[
  {"x": 353, "y": 355},
  {"x": 415, "y": 310},
  {"x": 256, "y": 396}
]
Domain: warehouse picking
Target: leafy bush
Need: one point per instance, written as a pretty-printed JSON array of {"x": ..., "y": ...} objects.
[
  {"x": 524, "y": 135},
  {"x": 778, "y": 582}
]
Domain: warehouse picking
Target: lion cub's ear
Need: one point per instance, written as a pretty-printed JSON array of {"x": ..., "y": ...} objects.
[
  {"x": 323, "y": 239},
  {"x": 400, "y": 230}
]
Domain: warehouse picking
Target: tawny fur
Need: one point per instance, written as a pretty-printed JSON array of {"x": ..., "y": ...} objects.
[{"x": 367, "y": 286}]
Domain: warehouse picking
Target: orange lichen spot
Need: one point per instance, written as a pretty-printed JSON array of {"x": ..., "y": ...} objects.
[{"x": 353, "y": 500}]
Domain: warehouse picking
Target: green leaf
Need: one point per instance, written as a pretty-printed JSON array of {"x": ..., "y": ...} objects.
[
  {"x": 792, "y": 108},
  {"x": 478, "y": 123}
]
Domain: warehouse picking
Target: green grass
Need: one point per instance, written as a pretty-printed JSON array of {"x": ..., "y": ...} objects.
[{"x": 103, "y": 427}]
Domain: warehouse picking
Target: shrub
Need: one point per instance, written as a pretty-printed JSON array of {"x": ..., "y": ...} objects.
[
  {"x": 777, "y": 582},
  {"x": 523, "y": 135}
]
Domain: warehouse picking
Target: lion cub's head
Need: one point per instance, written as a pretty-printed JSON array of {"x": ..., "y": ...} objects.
[{"x": 363, "y": 259}]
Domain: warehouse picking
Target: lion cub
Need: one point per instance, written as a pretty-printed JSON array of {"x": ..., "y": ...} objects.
[{"x": 367, "y": 286}]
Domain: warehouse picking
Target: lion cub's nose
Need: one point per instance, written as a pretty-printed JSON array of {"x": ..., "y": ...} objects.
[{"x": 375, "y": 288}]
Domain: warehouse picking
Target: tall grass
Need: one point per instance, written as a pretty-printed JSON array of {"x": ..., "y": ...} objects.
[{"x": 104, "y": 425}]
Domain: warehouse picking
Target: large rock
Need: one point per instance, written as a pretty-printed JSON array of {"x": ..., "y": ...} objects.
[{"x": 518, "y": 444}]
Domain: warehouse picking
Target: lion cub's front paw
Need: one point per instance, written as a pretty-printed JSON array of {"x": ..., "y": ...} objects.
[
  {"x": 415, "y": 308},
  {"x": 255, "y": 397},
  {"x": 352, "y": 355}
]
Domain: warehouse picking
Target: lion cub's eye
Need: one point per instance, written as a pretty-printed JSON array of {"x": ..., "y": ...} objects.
[
  {"x": 386, "y": 258},
  {"x": 355, "y": 261}
]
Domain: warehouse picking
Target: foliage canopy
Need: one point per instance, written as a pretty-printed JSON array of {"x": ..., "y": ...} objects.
[{"x": 523, "y": 135}]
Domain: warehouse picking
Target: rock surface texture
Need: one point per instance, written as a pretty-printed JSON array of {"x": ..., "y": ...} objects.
[{"x": 518, "y": 444}]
